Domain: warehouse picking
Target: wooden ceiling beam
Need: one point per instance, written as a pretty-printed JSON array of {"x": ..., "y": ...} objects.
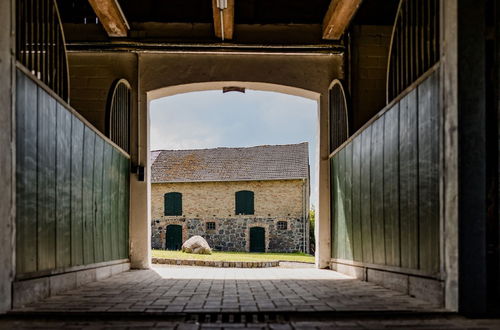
[
  {"x": 338, "y": 17},
  {"x": 111, "y": 17},
  {"x": 223, "y": 28}
]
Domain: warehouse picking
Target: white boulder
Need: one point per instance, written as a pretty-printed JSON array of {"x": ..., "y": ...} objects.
[{"x": 197, "y": 245}]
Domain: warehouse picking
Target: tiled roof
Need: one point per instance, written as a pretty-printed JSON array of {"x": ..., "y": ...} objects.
[
  {"x": 154, "y": 155},
  {"x": 266, "y": 162}
]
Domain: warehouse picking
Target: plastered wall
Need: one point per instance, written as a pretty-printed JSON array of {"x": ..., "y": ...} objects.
[
  {"x": 369, "y": 53},
  {"x": 91, "y": 79}
]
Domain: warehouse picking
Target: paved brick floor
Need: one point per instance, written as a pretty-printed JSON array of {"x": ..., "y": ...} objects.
[
  {"x": 198, "y": 298},
  {"x": 174, "y": 289}
]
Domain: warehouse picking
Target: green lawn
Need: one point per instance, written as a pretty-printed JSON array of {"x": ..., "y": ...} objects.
[{"x": 235, "y": 256}]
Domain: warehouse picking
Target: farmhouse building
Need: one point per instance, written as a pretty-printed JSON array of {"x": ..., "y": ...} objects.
[{"x": 239, "y": 199}]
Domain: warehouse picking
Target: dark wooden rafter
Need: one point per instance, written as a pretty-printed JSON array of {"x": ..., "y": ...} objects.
[
  {"x": 224, "y": 27},
  {"x": 111, "y": 16},
  {"x": 338, "y": 18}
]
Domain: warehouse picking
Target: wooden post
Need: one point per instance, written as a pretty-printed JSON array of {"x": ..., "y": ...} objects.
[
  {"x": 464, "y": 179},
  {"x": 7, "y": 245},
  {"x": 472, "y": 156}
]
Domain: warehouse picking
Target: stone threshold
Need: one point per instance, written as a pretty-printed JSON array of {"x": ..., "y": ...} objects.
[
  {"x": 204, "y": 316},
  {"x": 220, "y": 264}
]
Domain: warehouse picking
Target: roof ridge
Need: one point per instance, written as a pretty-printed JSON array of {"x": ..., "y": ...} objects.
[{"x": 235, "y": 148}]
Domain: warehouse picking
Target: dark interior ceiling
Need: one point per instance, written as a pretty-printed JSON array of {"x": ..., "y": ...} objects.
[
  {"x": 254, "y": 19},
  {"x": 170, "y": 11},
  {"x": 280, "y": 11},
  {"x": 200, "y": 11},
  {"x": 75, "y": 11},
  {"x": 376, "y": 12}
]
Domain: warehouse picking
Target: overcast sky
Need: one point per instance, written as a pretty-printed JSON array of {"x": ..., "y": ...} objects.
[{"x": 212, "y": 119}]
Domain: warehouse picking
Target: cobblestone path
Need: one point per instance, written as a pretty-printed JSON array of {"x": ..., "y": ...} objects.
[{"x": 173, "y": 289}]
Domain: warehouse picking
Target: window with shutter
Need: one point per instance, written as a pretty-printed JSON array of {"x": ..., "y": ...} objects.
[
  {"x": 173, "y": 203},
  {"x": 244, "y": 202}
]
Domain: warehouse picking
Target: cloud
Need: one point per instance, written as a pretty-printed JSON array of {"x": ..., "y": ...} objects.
[
  {"x": 162, "y": 137},
  {"x": 212, "y": 119}
]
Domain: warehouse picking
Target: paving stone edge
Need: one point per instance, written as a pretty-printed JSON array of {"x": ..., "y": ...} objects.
[{"x": 220, "y": 264}]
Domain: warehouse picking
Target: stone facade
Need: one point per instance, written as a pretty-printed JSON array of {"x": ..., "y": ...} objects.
[{"x": 202, "y": 202}]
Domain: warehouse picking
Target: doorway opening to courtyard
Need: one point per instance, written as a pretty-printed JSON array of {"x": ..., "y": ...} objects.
[{"x": 234, "y": 163}]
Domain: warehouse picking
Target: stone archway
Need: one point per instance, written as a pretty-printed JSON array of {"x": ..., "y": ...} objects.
[
  {"x": 217, "y": 86},
  {"x": 162, "y": 74}
]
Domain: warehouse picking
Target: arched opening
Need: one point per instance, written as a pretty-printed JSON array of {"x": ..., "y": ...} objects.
[
  {"x": 338, "y": 115},
  {"x": 219, "y": 85},
  {"x": 176, "y": 167},
  {"x": 118, "y": 114}
]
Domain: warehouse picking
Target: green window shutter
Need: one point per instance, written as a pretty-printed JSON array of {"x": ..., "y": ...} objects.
[
  {"x": 173, "y": 203},
  {"x": 165, "y": 204},
  {"x": 238, "y": 203},
  {"x": 244, "y": 202},
  {"x": 250, "y": 209},
  {"x": 178, "y": 204}
]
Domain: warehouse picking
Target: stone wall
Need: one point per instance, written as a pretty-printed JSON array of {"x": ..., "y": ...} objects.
[
  {"x": 232, "y": 234},
  {"x": 215, "y": 202}
]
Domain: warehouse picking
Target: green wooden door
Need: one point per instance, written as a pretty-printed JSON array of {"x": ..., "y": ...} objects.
[
  {"x": 174, "y": 237},
  {"x": 257, "y": 239}
]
